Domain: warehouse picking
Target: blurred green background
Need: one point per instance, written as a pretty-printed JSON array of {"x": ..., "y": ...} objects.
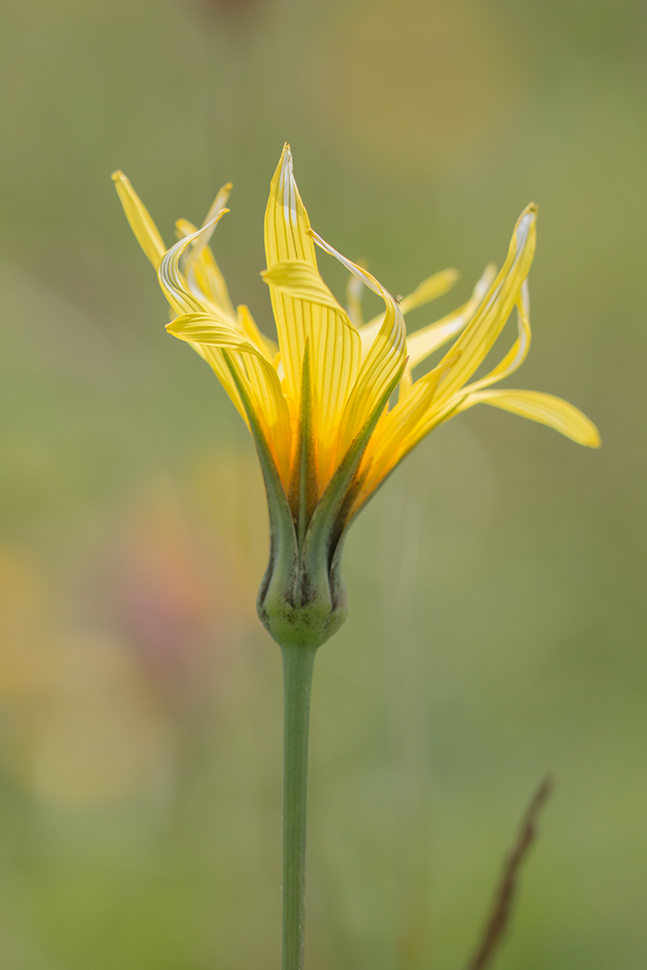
[{"x": 496, "y": 583}]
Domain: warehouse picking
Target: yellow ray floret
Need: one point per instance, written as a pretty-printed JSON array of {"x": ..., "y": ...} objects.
[{"x": 316, "y": 401}]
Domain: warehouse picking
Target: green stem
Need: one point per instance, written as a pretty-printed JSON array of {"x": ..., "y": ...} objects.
[{"x": 298, "y": 664}]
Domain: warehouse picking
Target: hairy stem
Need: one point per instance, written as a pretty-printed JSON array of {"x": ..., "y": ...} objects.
[{"x": 298, "y": 664}]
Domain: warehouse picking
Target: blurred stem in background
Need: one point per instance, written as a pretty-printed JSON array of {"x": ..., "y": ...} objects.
[{"x": 402, "y": 529}]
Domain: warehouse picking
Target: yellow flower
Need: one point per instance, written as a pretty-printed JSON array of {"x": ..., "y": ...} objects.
[{"x": 317, "y": 403}]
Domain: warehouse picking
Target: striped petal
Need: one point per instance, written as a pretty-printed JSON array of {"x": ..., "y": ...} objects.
[
  {"x": 199, "y": 266},
  {"x": 517, "y": 353},
  {"x": 399, "y": 431},
  {"x": 247, "y": 326},
  {"x": 175, "y": 286},
  {"x": 423, "y": 406},
  {"x": 299, "y": 280},
  {"x": 544, "y": 408},
  {"x": 306, "y": 311},
  {"x": 272, "y": 409},
  {"x": 384, "y": 361},
  {"x": 208, "y": 330},
  {"x": 172, "y": 280},
  {"x": 478, "y": 338},
  {"x": 143, "y": 227}
]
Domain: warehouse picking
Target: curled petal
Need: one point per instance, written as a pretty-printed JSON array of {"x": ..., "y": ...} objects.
[
  {"x": 205, "y": 329},
  {"x": 301, "y": 281},
  {"x": 384, "y": 361},
  {"x": 172, "y": 280},
  {"x": 198, "y": 264}
]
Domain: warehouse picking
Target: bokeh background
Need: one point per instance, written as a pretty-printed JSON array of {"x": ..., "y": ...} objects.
[{"x": 496, "y": 583}]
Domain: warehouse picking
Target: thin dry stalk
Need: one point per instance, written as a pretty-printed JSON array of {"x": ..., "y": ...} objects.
[{"x": 496, "y": 926}]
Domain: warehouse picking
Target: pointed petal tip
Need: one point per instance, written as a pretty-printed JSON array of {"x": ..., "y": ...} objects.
[
  {"x": 117, "y": 176},
  {"x": 286, "y": 156},
  {"x": 284, "y": 170},
  {"x": 529, "y": 214},
  {"x": 525, "y": 227}
]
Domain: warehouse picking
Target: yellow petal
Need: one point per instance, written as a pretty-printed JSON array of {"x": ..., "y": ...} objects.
[
  {"x": 299, "y": 280},
  {"x": 440, "y": 406},
  {"x": 286, "y": 222},
  {"x": 182, "y": 297},
  {"x": 209, "y": 337},
  {"x": 218, "y": 208},
  {"x": 184, "y": 228},
  {"x": 430, "y": 289},
  {"x": 200, "y": 268},
  {"x": 369, "y": 332},
  {"x": 204, "y": 328},
  {"x": 176, "y": 287},
  {"x": 406, "y": 383},
  {"x": 286, "y": 219},
  {"x": 139, "y": 218},
  {"x": 282, "y": 532},
  {"x": 544, "y": 408},
  {"x": 517, "y": 353},
  {"x": 398, "y": 432},
  {"x": 306, "y": 311},
  {"x": 271, "y": 408},
  {"x": 384, "y": 360},
  {"x": 205, "y": 274},
  {"x": 478, "y": 338},
  {"x": 248, "y": 327},
  {"x": 252, "y": 370},
  {"x": 422, "y": 343}
]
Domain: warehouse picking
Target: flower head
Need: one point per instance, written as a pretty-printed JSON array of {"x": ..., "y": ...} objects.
[{"x": 318, "y": 403}]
